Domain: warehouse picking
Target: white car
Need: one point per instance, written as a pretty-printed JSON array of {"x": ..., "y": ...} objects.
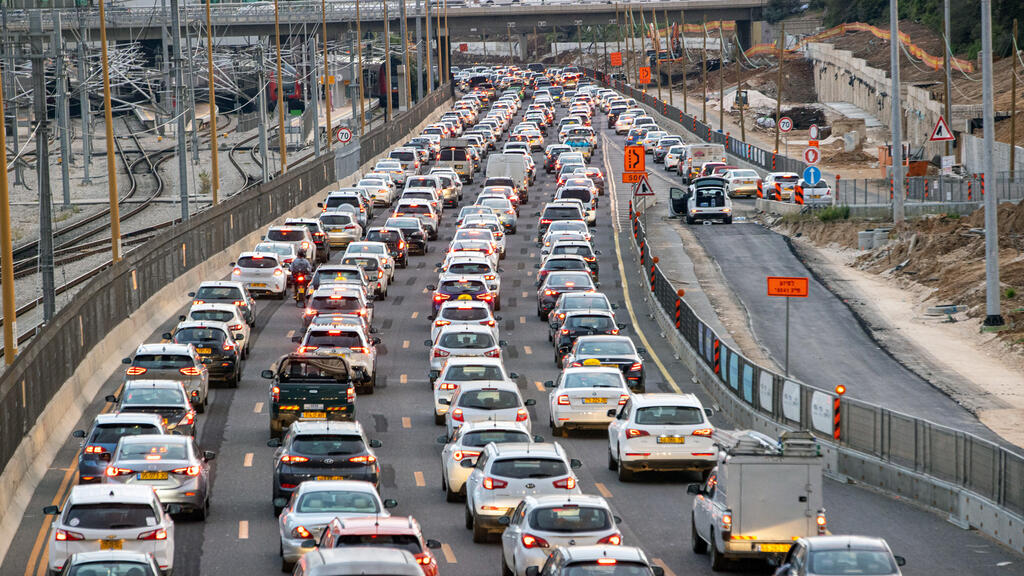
[
  {"x": 342, "y": 227},
  {"x": 260, "y": 272},
  {"x": 298, "y": 236},
  {"x": 474, "y": 247},
  {"x": 381, "y": 191},
  {"x": 373, "y": 267},
  {"x": 378, "y": 249},
  {"x": 541, "y": 523},
  {"x": 819, "y": 193},
  {"x": 226, "y": 313},
  {"x": 427, "y": 214},
  {"x": 469, "y": 264},
  {"x": 667, "y": 432},
  {"x": 742, "y": 182},
  {"x": 491, "y": 400},
  {"x": 468, "y": 442},
  {"x": 464, "y": 312},
  {"x": 347, "y": 341},
  {"x": 582, "y": 396},
  {"x": 504, "y": 474},
  {"x": 468, "y": 232},
  {"x": 786, "y": 181},
  {"x": 315, "y": 503},
  {"x": 462, "y": 340},
  {"x": 463, "y": 370},
  {"x": 672, "y": 157},
  {"x": 110, "y": 517}
]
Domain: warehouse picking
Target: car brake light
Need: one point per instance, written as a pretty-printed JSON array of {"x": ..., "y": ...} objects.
[
  {"x": 636, "y": 433},
  {"x": 457, "y": 415},
  {"x": 441, "y": 323},
  {"x": 441, "y": 297},
  {"x": 822, "y": 523},
  {"x": 522, "y": 415},
  {"x": 189, "y": 371},
  {"x": 563, "y": 400},
  {"x": 158, "y": 534},
  {"x": 487, "y": 323},
  {"x": 301, "y": 532},
  {"x": 531, "y": 541},
  {"x": 706, "y": 432},
  {"x": 424, "y": 559},
  {"x": 494, "y": 483},
  {"x": 439, "y": 353},
  {"x": 290, "y": 459},
  {"x": 496, "y": 353},
  {"x": 67, "y": 536},
  {"x": 95, "y": 450},
  {"x": 568, "y": 483},
  {"x": 623, "y": 398},
  {"x": 612, "y": 539},
  {"x": 228, "y": 346},
  {"x": 607, "y": 561},
  {"x": 187, "y": 471},
  {"x": 549, "y": 292},
  {"x": 636, "y": 366},
  {"x": 484, "y": 297},
  {"x": 367, "y": 459},
  {"x": 307, "y": 349},
  {"x": 236, "y": 272},
  {"x": 135, "y": 371},
  {"x": 188, "y": 419},
  {"x": 114, "y": 471}
]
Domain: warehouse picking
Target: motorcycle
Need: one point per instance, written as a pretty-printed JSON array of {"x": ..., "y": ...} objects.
[{"x": 301, "y": 284}]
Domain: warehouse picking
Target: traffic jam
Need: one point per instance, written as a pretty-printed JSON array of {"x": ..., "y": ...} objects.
[{"x": 499, "y": 208}]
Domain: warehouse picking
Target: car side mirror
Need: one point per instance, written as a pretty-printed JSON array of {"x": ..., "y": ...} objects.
[
  {"x": 641, "y": 351},
  {"x": 433, "y": 544},
  {"x": 575, "y": 464},
  {"x": 513, "y": 375},
  {"x": 710, "y": 412},
  {"x": 693, "y": 489},
  {"x": 532, "y": 571},
  {"x": 497, "y": 318},
  {"x": 376, "y": 341},
  {"x": 504, "y": 520},
  {"x": 658, "y": 571},
  {"x": 536, "y": 266},
  {"x": 597, "y": 284},
  {"x": 467, "y": 463},
  {"x": 536, "y": 213},
  {"x": 549, "y": 383},
  {"x": 900, "y": 560},
  {"x": 427, "y": 343},
  {"x": 231, "y": 264},
  {"x": 126, "y": 360},
  {"x": 319, "y": 204},
  {"x": 78, "y": 434},
  {"x": 268, "y": 374},
  {"x": 390, "y": 503},
  {"x": 444, "y": 401},
  {"x": 274, "y": 442},
  {"x": 529, "y": 402},
  {"x": 618, "y": 520},
  {"x": 503, "y": 343},
  {"x": 51, "y": 510},
  {"x": 615, "y": 306},
  {"x": 238, "y": 337},
  {"x": 597, "y": 252},
  {"x": 375, "y": 444},
  {"x": 209, "y": 455},
  {"x": 181, "y": 318},
  {"x": 374, "y": 330},
  {"x": 369, "y": 304},
  {"x": 622, "y": 325},
  {"x": 110, "y": 398},
  {"x": 613, "y": 412},
  {"x": 191, "y": 294}
]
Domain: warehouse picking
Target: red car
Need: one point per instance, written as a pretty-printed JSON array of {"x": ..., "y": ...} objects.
[{"x": 402, "y": 532}]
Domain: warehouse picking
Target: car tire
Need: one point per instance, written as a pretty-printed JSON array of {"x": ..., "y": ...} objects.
[
  {"x": 624, "y": 474},
  {"x": 200, "y": 407},
  {"x": 469, "y": 519},
  {"x": 233, "y": 381},
  {"x": 497, "y": 304},
  {"x": 505, "y": 570},
  {"x": 439, "y": 419},
  {"x": 480, "y": 534},
  {"x": 451, "y": 495},
  {"x": 611, "y": 460},
  {"x": 201, "y": 514},
  {"x": 689, "y": 220},
  {"x": 697, "y": 544},
  {"x": 718, "y": 562},
  {"x": 287, "y": 566}
]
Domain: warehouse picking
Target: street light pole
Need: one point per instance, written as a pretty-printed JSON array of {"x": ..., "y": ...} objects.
[
  {"x": 896, "y": 118},
  {"x": 281, "y": 132},
  {"x": 993, "y": 314},
  {"x": 328, "y": 84},
  {"x": 6, "y": 252},
  {"x": 108, "y": 116},
  {"x": 215, "y": 168}
]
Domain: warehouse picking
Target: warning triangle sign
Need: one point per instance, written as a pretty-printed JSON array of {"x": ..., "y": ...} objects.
[
  {"x": 941, "y": 132},
  {"x": 643, "y": 188}
]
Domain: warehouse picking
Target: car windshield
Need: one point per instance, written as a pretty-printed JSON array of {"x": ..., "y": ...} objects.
[
  {"x": 407, "y": 542},
  {"x": 847, "y": 561},
  {"x": 590, "y": 323},
  {"x": 212, "y": 315},
  {"x": 153, "y": 396},
  {"x": 153, "y": 451},
  {"x": 592, "y": 568},
  {"x": 485, "y": 437},
  {"x": 111, "y": 568},
  {"x": 110, "y": 516},
  {"x": 218, "y": 293},
  {"x": 529, "y": 468},
  {"x": 162, "y": 361},
  {"x": 489, "y": 399},
  {"x": 386, "y": 236},
  {"x": 111, "y": 433},
  {"x": 670, "y": 415},
  {"x": 286, "y": 234},
  {"x": 470, "y": 373},
  {"x": 456, "y": 287},
  {"x": 501, "y": 203},
  {"x": 327, "y": 444},
  {"x": 256, "y": 262},
  {"x": 199, "y": 336},
  {"x": 467, "y": 340},
  {"x": 335, "y": 276},
  {"x": 570, "y": 519},
  {"x": 464, "y": 313},
  {"x": 592, "y": 380},
  {"x": 321, "y": 303},
  {"x": 337, "y": 502},
  {"x": 607, "y": 347},
  {"x": 333, "y": 339}
]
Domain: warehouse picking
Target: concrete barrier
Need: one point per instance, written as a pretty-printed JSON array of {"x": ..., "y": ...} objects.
[{"x": 875, "y": 211}]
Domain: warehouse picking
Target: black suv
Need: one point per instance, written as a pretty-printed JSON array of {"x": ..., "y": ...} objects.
[{"x": 395, "y": 240}]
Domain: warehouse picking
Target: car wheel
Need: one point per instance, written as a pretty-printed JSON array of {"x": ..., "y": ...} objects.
[
  {"x": 497, "y": 304},
  {"x": 505, "y": 570},
  {"x": 469, "y": 519},
  {"x": 233, "y": 381},
  {"x": 689, "y": 220},
  {"x": 624, "y": 474},
  {"x": 480, "y": 534},
  {"x": 611, "y": 460},
  {"x": 200, "y": 407},
  {"x": 203, "y": 512},
  {"x": 718, "y": 562},
  {"x": 439, "y": 419},
  {"x": 697, "y": 544},
  {"x": 286, "y": 566},
  {"x": 451, "y": 495}
]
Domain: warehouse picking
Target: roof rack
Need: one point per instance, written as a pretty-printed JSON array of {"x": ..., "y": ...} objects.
[{"x": 797, "y": 443}]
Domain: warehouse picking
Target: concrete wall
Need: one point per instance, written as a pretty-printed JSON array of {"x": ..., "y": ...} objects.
[
  {"x": 876, "y": 211},
  {"x": 972, "y": 155}
]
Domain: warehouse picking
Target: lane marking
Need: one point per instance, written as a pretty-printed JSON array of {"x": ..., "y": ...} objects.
[
  {"x": 258, "y": 408},
  {"x": 247, "y": 461},
  {"x": 625, "y": 283},
  {"x": 420, "y": 480},
  {"x": 603, "y": 490},
  {"x": 533, "y": 254},
  {"x": 522, "y": 319},
  {"x": 527, "y": 350},
  {"x": 415, "y": 315},
  {"x": 526, "y": 294},
  {"x": 290, "y": 333},
  {"x": 660, "y": 562},
  {"x": 449, "y": 554},
  {"x": 243, "y": 529},
  {"x": 539, "y": 385},
  {"x": 405, "y": 343},
  {"x": 403, "y": 379},
  {"x": 406, "y": 422}
]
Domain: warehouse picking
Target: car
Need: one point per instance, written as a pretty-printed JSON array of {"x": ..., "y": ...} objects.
[
  {"x": 615, "y": 351},
  {"x": 597, "y": 559},
  {"x": 218, "y": 347},
  {"x": 461, "y": 369},
  {"x": 462, "y": 340},
  {"x": 488, "y": 222},
  {"x": 165, "y": 398},
  {"x": 819, "y": 193},
  {"x": 557, "y": 283},
  {"x": 587, "y": 195},
  {"x": 464, "y": 312},
  {"x": 467, "y": 211},
  {"x": 576, "y": 301},
  {"x": 494, "y": 400},
  {"x": 663, "y": 146},
  {"x": 102, "y": 517},
  {"x": 663, "y": 432},
  {"x": 227, "y": 313},
  {"x": 111, "y": 562},
  {"x": 381, "y": 191},
  {"x": 466, "y": 443},
  {"x": 352, "y": 201},
  {"x": 297, "y": 235},
  {"x": 504, "y": 474},
  {"x": 412, "y": 230},
  {"x": 172, "y": 466},
  {"x": 394, "y": 168},
  {"x": 342, "y": 228},
  {"x": 577, "y": 227},
  {"x": 401, "y": 532},
  {"x": 374, "y": 270},
  {"x": 460, "y": 287},
  {"x": 576, "y": 246},
  {"x": 427, "y": 215},
  {"x": 551, "y": 155},
  {"x": 360, "y": 560},
  {"x": 339, "y": 299},
  {"x": 424, "y": 194},
  {"x": 820, "y": 555},
  {"x": 480, "y": 247},
  {"x": 581, "y": 396},
  {"x": 558, "y": 264},
  {"x": 261, "y": 272},
  {"x": 394, "y": 239},
  {"x": 351, "y": 275},
  {"x": 582, "y": 323},
  {"x": 503, "y": 208},
  {"x": 323, "y": 247},
  {"x": 379, "y": 249},
  {"x": 347, "y": 341},
  {"x": 542, "y": 523},
  {"x": 175, "y": 362},
  {"x": 226, "y": 292},
  {"x": 286, "y": 254},
  {"x": 322, "y": 450},
  {"x": 104, "y": 434},
  {"x": 742, "y": 182},
  {"x": 305, "y": 514},
  {"x": 673, "y": 157},
  {"x": 707, "y": 200},
  {"x": 786, "y": 182},
  {"x": 554, "y": 212},
  {"x": 469, "y": 264}
]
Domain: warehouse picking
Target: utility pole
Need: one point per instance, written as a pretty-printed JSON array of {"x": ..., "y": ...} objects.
[
  {"x": 315, "y": 93},
  {"x": 7, "y": 252},
  {"x": 440, "y": 59},
  {"x": 426, "y": 47},
  {"x": 165, "y": 66},
  {"x": 405, "y": 54},
  {"x": 579, "y": 40},
  {"x": 359, "y": 51},
  {"x": 61, "y": 81},
  {"x": 1013, "y": 106},
  {"x": 387, "y": 64},
  {"x": 509, "y": 28},
  {"x": 686, "y": 60},
  {"x": 627, "y": 18},
  {"x": 19, "y": 176},
  {"x": 83, "y": 103},
  {"x": 778, "y": 83},
  {"x": 897, "y": 113},
  {"x": 191, "y": 91},
  {"x": 327, "y": 83},
  {"x": 671, "y": 66},
  {"x": 261, "y": 72},
  {"x": 993, "y": 314},
  {"x": 42, "y": 163},
  {"x": 738, "y": 100},
  {"x": 179, "y": 110},
  {"x": 721, "y": 80},
  {"x": 419, "y": 51},
  {"x": 447, "y": 46},
  {"x": 656, "y": 41},
  {"x": 618, "y": 27},
  {"x": 281, "y": 132},
  {"x": 704, "y": 72},
  {"x": 947, "y": 64},
  {"x": 215, "y": 169},
  {"x": 108, "y": 117}
]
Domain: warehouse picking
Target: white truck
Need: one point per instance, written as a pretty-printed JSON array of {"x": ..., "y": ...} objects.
[
  {"x": 500, "y": 165},
  {"x": 762, "y": 496},
  {"x": 695, "y": 155}
]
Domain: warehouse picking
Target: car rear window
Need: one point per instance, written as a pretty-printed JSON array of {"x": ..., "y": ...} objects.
[
  {"x": 561, "y": 264},
  {"x": 710, "y": 198},
  {"x": 467, "y": 341},
  {"x": 162, "y": 361},
  {"x": 567, "y": 280},
  {"x": 528, "y": 468},
  {"x": 335, "y": 201},
  {"x": 327, "y": 444},
  {"x": 111, "y": 433},
  {"x": 592, "y": 380},
  {"x": 579, "y": 302},
  {"x": 212, "y": 315},
  {"x": 414, "y": 209},
  {"x": 258, "y": 262},
  {"x": 386, "y": 236},
  {"x": 333, "y": 339},
  {"x": 485, "y": 437},
  {"x": 404, "y": 156},
  {"x": 464, "y": 313},
  {"x": 841, "y": 562},
  {"x": 489, "y": 399},
  {"x": 596, "y": 323},
  {"x": 570, "y": 519},
  {"x": 607, "y": 347},
  {"x": 111, "y": 568},
  {"x": 153, "y": 396},
  {"x": 468, "y": 373},
  {"x": 336, "y": 220},
  {"x": 198, "y": 336},
  {"x": 286, "y": 235},
  {"x": 576, "y": 193},
  {"x": 218, "y": 293},
  {"x": 155, "y": 451},
  {"x": 469, "y": 268},
  {"x": 561, "y": 213},
  {"x": 670, "y": 415},
  {"x": 337, "y": 502},
  {"x": 110, "y": 516},
  {"x": 364, "y": 263},
  {"x": 456, "y": 287},
  {"x": 620, "y": 568},
  {"x": 407, "y": 542},
  {"x": 453, "y": 155},
  {"x": 326, "y": 303}
]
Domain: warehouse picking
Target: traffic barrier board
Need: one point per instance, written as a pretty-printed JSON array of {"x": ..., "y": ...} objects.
[
  {"x": 812, "y": 154},
  {"x": 785, "y": 124},
  {"x": 634, "y": 159},
  {"x": 787, "y": 286}
]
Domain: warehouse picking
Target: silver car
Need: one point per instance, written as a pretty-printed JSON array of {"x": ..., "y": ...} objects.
[
  {"x": 467, "y": 444},
  {"x": 177, "y": 362},
  {"x": 342, "y": 227},
  {"x": 462, "y": 340},
  {"x": 111, "y": 562},
  {"x": 488, "y": 400},
  {"x": 314, "y": 504},
  {"x": 840, "y": 555},
  {"x": 173, "y": 466}
]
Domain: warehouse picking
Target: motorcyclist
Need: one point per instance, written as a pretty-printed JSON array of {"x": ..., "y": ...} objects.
[{"x": 301, "y": 267}]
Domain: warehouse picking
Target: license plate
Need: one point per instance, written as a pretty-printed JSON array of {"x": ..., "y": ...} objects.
[
  {"x": 152, "y": 475},
  {"x": 330, "y": 477},
  {"x": 315, "y": 415},
  {"x": 258, "y": 285},
  {"x": 111, "y": 544},
  {"x": 671, "y": 440},
  {"x": 337, "y": 230},
  {"x": 204, "y": 350},
  {"x": 783, "y": 548},
  {"x": 595, "y": 400},
  {"x": 300, "y": 289},
  {"x": 313, "y": 406}
]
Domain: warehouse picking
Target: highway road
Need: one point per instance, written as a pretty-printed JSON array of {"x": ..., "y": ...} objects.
[{"x": 240, "y": 535}]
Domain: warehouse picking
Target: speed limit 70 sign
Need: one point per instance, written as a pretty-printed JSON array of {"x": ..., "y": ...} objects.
[{"x": 785, "y": 124}]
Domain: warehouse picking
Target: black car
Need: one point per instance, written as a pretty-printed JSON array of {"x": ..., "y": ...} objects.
[
  {"x": 219, "y": 350},
  {"x": 165, "y": 398},
  {"x": 614, "y": 351},
  {"x": 613, "y": 114},
  {"x": 395, "y": 240},
  {"x": 559, "y": 263},
  {"x": 413, "y": 231},
  {"x": 320, "y": 239},
  {"x": 457, "y": 287},
  {"x": 582, "y": 323},
  {"x": 322, "y": 450},
  {"x": 553, "y": 212},
  {"x": 558, "y": 283}
]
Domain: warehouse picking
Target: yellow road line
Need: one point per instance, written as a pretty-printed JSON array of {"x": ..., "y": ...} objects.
[
  {"x": 405, "y": 343},
  {"x": 290, "y": 333},
  {"x": 603, "y": 490},
  {"x": 415, "y": 315},
  {"x": 247, "y": 461},
  {"x": 403, "y": 379},
  {"x": 420, "y": 480},
  {"x": 526, "y": 294},
  {"x": 243, "y": 529},
  {"x": 449, "y": 554},
  {"x": 539, "y": 385},
  {"x": 522, "y": 319},
  {"x": 660, "y": 562},
  {"x": 406, "y": 422},
  {"x": 527, "y": 350},
  {"x": 625, "y": 283},
  {"x": 258, "y": 408}
]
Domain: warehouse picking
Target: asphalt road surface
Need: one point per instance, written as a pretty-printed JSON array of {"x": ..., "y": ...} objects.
[{"x": 240, "y": 536}]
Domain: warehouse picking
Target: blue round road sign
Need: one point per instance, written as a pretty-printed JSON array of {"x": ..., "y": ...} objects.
[{"x": 812, "y": 175}]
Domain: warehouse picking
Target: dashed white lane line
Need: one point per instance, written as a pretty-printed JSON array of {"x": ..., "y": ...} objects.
[
  {"x": 247, "y": 461},
  {"x": 420, "y": 480},
  {"x": 258, "y": 408},
  {"x": 243, "y": 529}
]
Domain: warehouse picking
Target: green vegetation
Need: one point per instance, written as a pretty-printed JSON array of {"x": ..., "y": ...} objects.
[
  {"x": 833, "y": 213},
  {"x": 1010, "y": 293}
]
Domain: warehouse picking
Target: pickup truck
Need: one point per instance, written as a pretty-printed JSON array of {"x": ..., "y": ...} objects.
[{"x": 311, "y": 388}]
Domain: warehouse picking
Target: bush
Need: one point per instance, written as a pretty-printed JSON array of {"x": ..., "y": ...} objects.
[
  {"x": 834, "y": 213},
  {"x": 1010, "y": 293}
]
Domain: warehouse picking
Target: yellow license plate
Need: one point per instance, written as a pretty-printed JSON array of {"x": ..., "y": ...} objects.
[
  {"x": 464, "y": 297},
  {"x": 204, "y": 350},
  {"x": 337, "y": 230},
  {"x": 595, "y": 400},
  {"x": 330, "y": 477},
  {"x": 111, "y": 544},
  {"x": 152, "y": 475},
  {"x": 671, "y": 440},
  {"x": 783, "y": 548},
  {"x": 315, "y": 415},
  {"x": 258, "y": 285}
]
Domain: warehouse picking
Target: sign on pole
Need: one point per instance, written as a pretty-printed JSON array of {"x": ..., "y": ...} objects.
[
  {"x": 812, "y": 132},
  {"x": 343, "y": 135},
  {"x": 645, "y": 75},
  {"x": 947, "y": 164},
  {"x": 812, "y": 155},
  {"x": 812, "y": 175},
  {"x": 788, "y": 286},
  {"x": 643, "y": 188},
  {"x": 941, "y": 132},
  {"x": 615, "y": 58},
  {"x": 785, "y": 124},
  {"x": 632, "y": 177},
  {"x": 634, "y": 159}
]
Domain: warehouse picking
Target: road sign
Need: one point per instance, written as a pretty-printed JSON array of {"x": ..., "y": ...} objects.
[
  {"x": 645, "y": 75},
  {"x": 785, "y": 124},
  {"x": 941, "y": 132},
  {"x": 643, "y": 188},
  {"x": 812, "y": 132},
  {"x": 343, "y": 135},
  {"x": 947, "y": 164},
  {"x": 812, "y": 175},
  {"x": 812, "y": 154},
  {"x": 463, "y": 47},
  {"x": 633, "y": 177},
  {"x": 634, "y": 159},
  {"x": 789, "y": 287},
  {"x": 615, "y": 58}
]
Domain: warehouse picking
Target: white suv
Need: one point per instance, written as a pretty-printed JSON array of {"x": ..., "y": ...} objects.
[
  {"x": 666, "y": 432},
  {"x": 260, "y": 272}
]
